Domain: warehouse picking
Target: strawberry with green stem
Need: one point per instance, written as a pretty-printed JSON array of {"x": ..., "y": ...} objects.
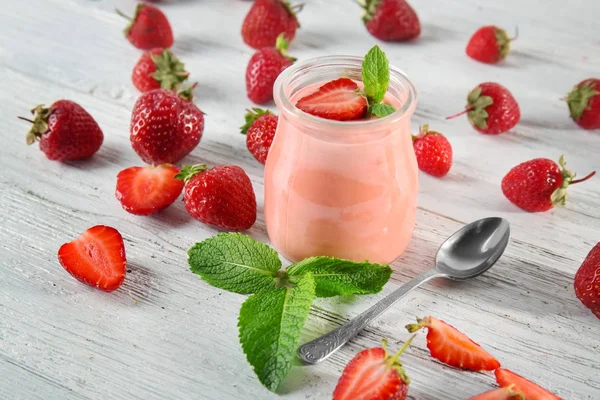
[
  {"x": 342, "y": 100},
  {"x": 149, "y": 28},
  {"x": 263, "y": 69},
  {"x": 373, "y": 374},
  {"x": 156, "y": 69},
  {"x": 390, "y": 20},
  {"x": 539, "y": 184},
  {"x": 587, "y": 281},
  {"x": 267, "y": 19},
  {"x": 433, "y": 152},
  {"x": 260, "y": 128},
  {"x": 584, "y": 103},
  {"x": 491, "y": 109},
  {"x": 490, "y": 44}
]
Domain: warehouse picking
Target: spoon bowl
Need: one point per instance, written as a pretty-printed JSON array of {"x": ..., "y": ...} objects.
[{"x": 473, "y": 249}]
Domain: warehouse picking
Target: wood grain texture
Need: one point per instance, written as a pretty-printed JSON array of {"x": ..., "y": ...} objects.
[{"x": 167, "y": 334}]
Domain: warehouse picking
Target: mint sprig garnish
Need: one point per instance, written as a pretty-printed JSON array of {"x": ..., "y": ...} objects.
[
  {"x": 376, "y": 79},
  {"x": 336, "y": 277},
  {"x": 270, "y": 324},
  {"x": 272, "y": 319}
]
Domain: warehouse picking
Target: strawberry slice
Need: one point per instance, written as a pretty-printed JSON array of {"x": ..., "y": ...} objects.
[
  {"x": 452, "y": 347},
  {"x": 339, "y": 100},
  {"x": 373, "y": 375},
  {"x": 505, "y": 378},
  {"x": 96, "y": 258},
  {"x": 146, "y": 190},
  {"x": 505, "y": 393}
]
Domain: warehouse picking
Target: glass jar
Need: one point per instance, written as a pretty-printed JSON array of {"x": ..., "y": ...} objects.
[{"x": 342, "y": 189}]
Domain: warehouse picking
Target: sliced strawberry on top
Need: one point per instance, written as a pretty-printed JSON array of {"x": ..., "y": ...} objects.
[
  {"x": 146, "y": 190},
  {"x": 453, "y": 347},
  {"x": 373, "y": 375},
  {"x": 505, "y": 377},
  {"x": 505, "y": 393},
  {"x": 96, "y": 258},
  {"x": 339, "y": 100}
]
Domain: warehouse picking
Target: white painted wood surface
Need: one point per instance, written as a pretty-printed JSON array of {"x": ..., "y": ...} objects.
[{"x": 165, "y": 333}]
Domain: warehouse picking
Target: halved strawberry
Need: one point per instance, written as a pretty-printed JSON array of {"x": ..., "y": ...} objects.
[
  {"x": 505, "y": 377},
  {"x": 505, "y": 393},
  {"x": 452, "y": 347},
  {"x": 146, "y": 190},
  {"x": 96, "y": 258},
  {"x": 373, "y": 375},
  {"x": 339, "y": 100}
]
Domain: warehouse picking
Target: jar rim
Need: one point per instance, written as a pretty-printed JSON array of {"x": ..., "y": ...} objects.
[{"x": 397, "y": 78}]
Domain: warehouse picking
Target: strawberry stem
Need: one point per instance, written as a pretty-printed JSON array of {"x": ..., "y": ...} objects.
[
  {"x": 296, "y": 8},
  {"x": 516, "y": 34},
  {"x": 122, "y": 14},
  {"x": 395, "y": 357},
  {"x": 26, "y": 119},
  {"x": 466, "y": 110},
  {"x": 583, "y": 179}
]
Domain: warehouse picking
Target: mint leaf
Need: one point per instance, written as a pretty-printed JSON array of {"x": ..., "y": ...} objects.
[
  {"x": 375, "y": 75},
  {"x": 235, "y": 262},
  {"x": 270, "y": 323},
  {"x": 381, "y": 110},
  {"x": 335, "y": 277}
]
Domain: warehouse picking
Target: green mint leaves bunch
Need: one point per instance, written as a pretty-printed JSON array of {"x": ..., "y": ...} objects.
[
  {"x": 272, "y": 318},
  {"x": 376, "y": 78}
]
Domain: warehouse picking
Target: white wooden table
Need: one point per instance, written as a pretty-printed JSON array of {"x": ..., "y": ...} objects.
[{"x": 166, "y": 334}]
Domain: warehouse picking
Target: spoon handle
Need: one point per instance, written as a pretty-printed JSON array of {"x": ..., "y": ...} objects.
[{"x": 319, "y": 349}]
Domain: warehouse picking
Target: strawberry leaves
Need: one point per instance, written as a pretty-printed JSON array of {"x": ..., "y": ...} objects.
[
  {"x": 376, "y": 79},
  {"x": 272, "y": 319}
]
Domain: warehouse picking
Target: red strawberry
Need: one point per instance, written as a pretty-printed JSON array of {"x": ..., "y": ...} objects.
[
  {"x": 505, "y": 393},
  {"x": 584, "y": 103},
  {"x": 263, "y": 69},
  {"x": 539, "y": 184},
  {"x": 452, "y": 347},
  {"x": 587, "y": 281},
  {"x": 489, "y": 44},
  {"x": 266, "y": 20},
  {"x": 146, "y": 190},
  {"x": 260, "y": 130},
  {"x": 339, "y": 99},
  {"x": 391, "y": 20},
  {"x": 433, "y": 151},
  {"x": 491, "y": 109},
  {"x": 222, "y": 196},
  {"x": 530, "y": 390},
  {"x": 373, "y": 375},
  {"x": 96, "y": 258},
  {"x": 65, "y": 131},
  {"x": 149, "y": 28},
  {"x": 165, "y": 126},
  {"x": 158, "y": 68}
]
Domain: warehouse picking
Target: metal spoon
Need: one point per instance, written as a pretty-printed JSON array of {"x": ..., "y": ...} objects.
[{"x": 468, "y": 253}]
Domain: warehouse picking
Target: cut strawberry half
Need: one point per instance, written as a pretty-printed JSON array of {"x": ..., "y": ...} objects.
[
  {"x": 505, "y": 393},
  {"x": 338, "y": 100},
  {"x": 505, "y": 377},
  {"x": 96, "y": 258},
  {"x": 373, "y": 374},
  {"x": 452, "y": 347},
  {"x": 146, "y": 190}
]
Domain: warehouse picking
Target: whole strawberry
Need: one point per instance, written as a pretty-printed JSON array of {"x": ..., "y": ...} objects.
[
  {"x": 587, "y": 281},
  {"x": 158, "y": 68},
  {"x": 584, "y": 103},
  {"x": 260, "y": 130},
  {"x": 433, "y": 151},
  {"x": 222, "y": 196},
  {"x": 491, "y": 109},
  {"x": 165, "y": 126},
  {"x": 149, "y": 28},
  {"x": 539, "y": 184},
  {"x": 391, "y": 20},
  {"x": 263, "y": 69},
  {"x": 489, "y": 44},
  {"x": 65, "y": 131},
  {"x": 373, "y": 374},
  {"x": 266, "y": 20}
]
